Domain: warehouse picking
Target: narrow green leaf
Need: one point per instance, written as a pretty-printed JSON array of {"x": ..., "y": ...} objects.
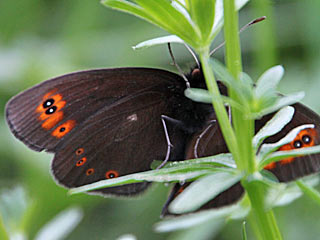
[
  {"x": 267, "y": 148},
  {"x": 202, "y": 13},
  {"x": 309, "y": 191},
  {"x": 274, "y": 125},
  {"x": 269, "y": 80},
  {"x": 171, "y": 20},
  {"x": 280, "y": 103},
  {"x": 282, "y": 194},
  {"x": 203, "y": 190},
  {"x": 160, "y": 13},
  {"x": 158, "y": 41},
  {"x": 244, "y": 209},
  {"x": 172, "y": 172},
  {"x": 242, "y": 88},
  {"x": 198, "y": 95},
  {"x": 280, "y": 155},
  {"x": 204, "y": 96},
  {"x": 222, "y": 160},
  {"x": 246, "y": 79},
  {"x": 129, "y": 7},
  {"x": 153, "y": 175},
  {"x": 193, "y": 219}
]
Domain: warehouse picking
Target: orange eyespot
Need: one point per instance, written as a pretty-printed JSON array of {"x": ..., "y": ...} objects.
[
  {"x": 305, "y": 138},
  {"x": 63, "y": 129},
  {"x": 51, "y": 121},
  {"x": 90, "y": 171},
  {"x": 112, "y": 174},
  {"x": 79, "y": 151},
  {"x": 50, "y": 108},
  {"x": 81, "y": 162},
  {"x": 48, "y": 100}
]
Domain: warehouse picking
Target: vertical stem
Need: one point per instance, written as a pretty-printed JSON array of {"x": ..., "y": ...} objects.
[
  {"x": 218, "y": 105},
  {"x": 244, "y": 128},
  {"x": 265, "y": 223}
]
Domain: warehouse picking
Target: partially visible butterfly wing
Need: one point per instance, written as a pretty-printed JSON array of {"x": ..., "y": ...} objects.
[
  {"x": 292, "y": 168},
  {"x": 210, "y": 142},
  {"x": 100, "y": 123},
  {"x": 207, "y": 142},
  {"x": 229, "y": 196}
]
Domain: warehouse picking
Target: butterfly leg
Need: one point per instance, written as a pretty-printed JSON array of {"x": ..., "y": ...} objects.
[
  {"x": 163, "y": 118},
  {"x": 195, "y": 150}
]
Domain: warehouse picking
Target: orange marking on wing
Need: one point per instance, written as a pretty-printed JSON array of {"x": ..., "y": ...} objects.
[
  {"x": 45, "y": 116},
  {"x": 270, "y": 166},
  {"x": 309, "y": 132},
  {"x": 40, "y": 108},
  {"x": 52, "y": 120},
  {"x": 63, "y": 129},
  {"x": 81, "y": 162},
  {"x": 79, "y": 151},
  {"x": 60, "y": 105},
  {"x": 112, "y": 174},
  {"x": 287, "y": 147},
  {"x": 90, "y": 171},
  {"x": 47, "y": 95}
]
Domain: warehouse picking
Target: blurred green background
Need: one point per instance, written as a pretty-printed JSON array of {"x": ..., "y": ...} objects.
[{"x": 41, "y": 39}]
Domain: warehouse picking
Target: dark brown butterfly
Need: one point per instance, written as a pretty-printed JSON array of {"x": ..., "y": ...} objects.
[{"x": 106, "y": 123}]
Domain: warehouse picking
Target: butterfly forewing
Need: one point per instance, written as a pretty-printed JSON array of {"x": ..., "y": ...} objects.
[{"x": 103, "y": 123}]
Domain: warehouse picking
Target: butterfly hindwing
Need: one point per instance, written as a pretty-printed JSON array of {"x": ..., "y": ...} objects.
[{"x": 209, "y": 141}]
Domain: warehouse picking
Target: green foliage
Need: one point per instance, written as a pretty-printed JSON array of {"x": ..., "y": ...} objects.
[
  {"x": 14, "y": 206},
  {"x": 47, "y": 39}
]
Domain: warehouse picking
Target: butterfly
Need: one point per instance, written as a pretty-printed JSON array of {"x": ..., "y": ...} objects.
[{"x": 105, "y": 123}]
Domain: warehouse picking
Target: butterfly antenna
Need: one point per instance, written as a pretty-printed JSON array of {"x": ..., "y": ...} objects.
[
  {"x": 193, "y": 55},
  {"x": 177, "y": 66},
  {"x": 260, "y": 19}
]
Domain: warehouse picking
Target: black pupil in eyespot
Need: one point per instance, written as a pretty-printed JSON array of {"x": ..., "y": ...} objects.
[
  {"x": 297, "y": 144},
  {"x": 306, "y": 139},
  {"x": 51, "y": 110},
  {"x": 48, "y": 103},
  {"x": 111, "y": 175},
  {"x": 62, "y": 129}
]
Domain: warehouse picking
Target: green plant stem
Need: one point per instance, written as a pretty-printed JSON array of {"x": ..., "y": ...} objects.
[
  {"x": 244, "y": 128},
  {"x": 264, "y": 221},
  {"x": 3, "y": 232},
  {"x": 309, "y": 191},
  {"x": 266, "y": 227},
  {"x": 218, "y": 105}
]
